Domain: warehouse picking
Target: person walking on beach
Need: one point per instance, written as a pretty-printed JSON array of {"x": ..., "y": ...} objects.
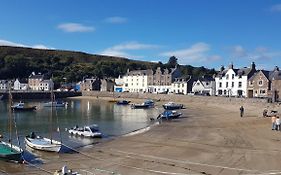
[
  {"x": 273, "y": 121},
  {"x": 277, "y": 122},
  {"x": 241, "y": 111}
]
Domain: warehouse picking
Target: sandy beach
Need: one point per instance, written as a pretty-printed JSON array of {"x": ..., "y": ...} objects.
[{"x": 210, "y": 138}]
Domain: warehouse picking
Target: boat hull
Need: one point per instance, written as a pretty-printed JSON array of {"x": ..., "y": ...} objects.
[
  {"x": 24, "y": 109},
  {"x": 167, "y": 107},
  {"x": 140, "y": 106},
  {"x": 9, "y": 153},
  {"x": 43, "y": 144}
]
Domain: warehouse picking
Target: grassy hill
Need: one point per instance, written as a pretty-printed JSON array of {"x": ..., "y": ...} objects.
[{"x": 20, "y": 62}]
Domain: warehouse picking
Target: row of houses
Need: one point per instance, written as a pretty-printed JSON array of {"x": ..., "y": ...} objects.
[
  {"x": 34, "y": 83},
  {"x": 238, "y": 82}
]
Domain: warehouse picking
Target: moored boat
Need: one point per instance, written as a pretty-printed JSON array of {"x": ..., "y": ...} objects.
[
  {"x": 86, "y": 131},
  {"x": 172, "y": 106},
  {"x": 169, "y": 115},
  {"x": 123, "y": 102},
  {"x": 55, "y": 104},
  {"x": 22, "y": 107},
  {"x": 144, "y": 105},
  {"x": 42, "y": 144}
]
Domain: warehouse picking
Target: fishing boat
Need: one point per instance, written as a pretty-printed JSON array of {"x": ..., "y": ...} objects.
[
  {"x": 169, "y": 115},
  {"x": 86, "y": 131},
  {"x": 144, "y": 105},
  {"x": 9, "y": 151},
  {"x": 123, "y": 102},
  {"x": 172, "y": 106},
  {"x": 55, "y": 104},
  {"x": 22, "y": 107},
  {"x": 43, "y": 143}
]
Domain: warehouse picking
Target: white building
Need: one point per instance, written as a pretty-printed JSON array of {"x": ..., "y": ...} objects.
[
  {"x": 20, "y": 85},
  {"x": 204, "y": 86},
  {"x": 118, "y": 87},
  {"x": 46, "y": 85},
  {"x": 182, "y": 85},
  {"x": 4, "y": 85},
  {"x": 234, "y": 82},
  {"x": 137, "y": 80},
  {"x": 159, "y": 88}
]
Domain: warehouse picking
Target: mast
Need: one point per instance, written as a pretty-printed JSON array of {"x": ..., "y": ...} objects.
[
  {"x": 10, "y": 116},
  {"x": 52, "y": 103}
]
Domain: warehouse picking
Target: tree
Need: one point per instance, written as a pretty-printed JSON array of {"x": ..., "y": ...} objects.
[{"x": 173, "y": 61}]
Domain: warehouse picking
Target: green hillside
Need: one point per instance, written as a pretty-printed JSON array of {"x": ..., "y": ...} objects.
[{"x": 71, "y": 66}]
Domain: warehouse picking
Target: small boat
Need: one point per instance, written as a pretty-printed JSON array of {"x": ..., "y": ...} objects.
[
  {"x": 42, "y": 144},
  {"x": 22, "y": 107},
  {"x": 9, "y": 152},
  {"x": 123, "y": 102},
  {"x": 55, "y": 104},
  {"x": 169, "y": 115},
  {"x": 144, "y": 105},
  {"x": 86, "y": 131},
  {"x": 112, "y": 101},
  {"x": 172, "y": 106},
  {"x": 65, "y": 171}
]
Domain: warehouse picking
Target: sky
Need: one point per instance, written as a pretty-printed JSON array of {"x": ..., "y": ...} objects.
[{"x": 207, "y": 33}]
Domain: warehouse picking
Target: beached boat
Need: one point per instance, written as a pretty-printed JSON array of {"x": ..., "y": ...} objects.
[
  {"x": 22, "y": 107},
  {"x": 123, "y": 102},
  {"x": 42, "y": 144},
  {"x": 86, "y": 131},
  {"x": 112, "y": 101},
  {"x": 172, "y": 106},
  {"x": 144, "y": 105},
  {"x": 169, "y": 115},
  {"x": 65, "y": 171},
  {"x": 10, "y": 152},
  {"x": 55, "y": 104}
]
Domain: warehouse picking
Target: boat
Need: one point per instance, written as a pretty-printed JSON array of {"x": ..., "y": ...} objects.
[
  {"x": 123, "y": 102},
  {"x": 9, "y": 151},
  {"x": 112, "y": 101},
  {"x": 169, "y": 115},
  {"x": 86, "y": 131},
  {"x": 22, "y": 107},
  {"x": 55, "y": 104},
  {"x": 172, "y": 106},
  {"x": 65, "y": 171},
  {"x": 43, "y": 143},
  {"x": 144, "y": 105}
]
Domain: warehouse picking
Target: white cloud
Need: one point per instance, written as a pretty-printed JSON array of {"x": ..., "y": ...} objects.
[
  {"x": 122, "y": 50},
  {"x": 75, "y": 27},
  {"x": 116, "y": 20},
  {"x": 10, "y": 43},
  {"x": 276, "y": 8},
  {"x": 238, "y": 51},
  {"x": 196, "y": 53}
]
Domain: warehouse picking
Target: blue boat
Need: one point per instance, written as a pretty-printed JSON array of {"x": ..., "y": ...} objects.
[
  {"x": 169, "y": 115},
  {"x": 123, "y": 102},
  {"x": 144, "y": 105}
]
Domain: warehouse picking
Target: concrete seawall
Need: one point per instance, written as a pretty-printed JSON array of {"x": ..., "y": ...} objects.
[
  {"x": 254, "y": 105},
  {"x": 39, "y": 95}
]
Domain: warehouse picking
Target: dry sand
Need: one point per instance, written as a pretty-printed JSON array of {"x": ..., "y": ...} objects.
[{"x": 208, "y": 139}]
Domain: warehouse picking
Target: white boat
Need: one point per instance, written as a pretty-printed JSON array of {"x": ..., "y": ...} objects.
[
  {"x": 86, "y": 131},
  {"x": 22, "y": 107},
  {"x": 172, "y": 106},
  {"x": 42, "y": 144},
  {"x": 65, "y": 171},
  {"x": 55, "y": 104}
]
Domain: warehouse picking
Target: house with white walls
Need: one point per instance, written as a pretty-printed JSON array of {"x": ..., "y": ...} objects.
[
  {"x": 182, "y": 85},
  {"x": 234, "y": 82},
  {"x": 204, "y": 85},
  {"x": 20, "y": 85}
]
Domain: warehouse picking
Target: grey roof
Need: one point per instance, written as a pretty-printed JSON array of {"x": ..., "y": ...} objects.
[
  {"x": 275, "y": 75},
  {"x": 139, "y": 72},
  {"x": 265, "y": 72},
  {"x": 36, "y": 76},
  {"x": 183, "y": 79},
  {"x": 206, "y": 78}
]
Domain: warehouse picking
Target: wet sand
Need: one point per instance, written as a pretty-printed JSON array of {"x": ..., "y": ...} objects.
[{"x": 208, "y": 139}]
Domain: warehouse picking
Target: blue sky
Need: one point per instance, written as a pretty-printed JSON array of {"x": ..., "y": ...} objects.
[{"x": 206, "y": 33}]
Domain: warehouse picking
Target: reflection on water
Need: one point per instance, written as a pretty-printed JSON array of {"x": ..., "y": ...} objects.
[{"x": 113, "y": 120}]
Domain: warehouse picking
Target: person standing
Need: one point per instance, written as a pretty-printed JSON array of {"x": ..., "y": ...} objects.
[
  {"x": 241, "y": 111},
  {"x": 277, "y": 122},
  {"x": 273, "y": 121}
]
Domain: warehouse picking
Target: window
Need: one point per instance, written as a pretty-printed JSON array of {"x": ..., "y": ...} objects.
[
  {"x": 226, "y": 84},
  {"x": 207, "y": 84},
  {"x": 251, "y": 83},
  {"x": 240, "y": 76},
  {"x": 240, "y": 84},
  {"x": 198, "y": 84},
  {"x": 262, "y": 91},
  {"x": 260, "y": 83},
  {"x": 227, "y": 76},
  {"x": 232, "y": 76},
  {"x": 232, "y": 84},
  {"x": 220, "y": 84},
  {"x": 182, "y": 85}
]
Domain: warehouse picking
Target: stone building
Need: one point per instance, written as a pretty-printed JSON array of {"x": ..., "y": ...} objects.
[
  {"x": 34, "y": 81},
  {"x": 259, "y": 85},
  {"x": 91, "y": 84},
  {"x": 275, "y": 77},
  {"x": 107, "y": 85}
]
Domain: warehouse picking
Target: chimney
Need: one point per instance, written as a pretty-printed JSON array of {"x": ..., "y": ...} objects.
[
  {"x": 276, "y": 68},
  {"x": 253, "y": 66},
  {"x": 230, "y": 66},
  {"x": 222, "y": 68}
]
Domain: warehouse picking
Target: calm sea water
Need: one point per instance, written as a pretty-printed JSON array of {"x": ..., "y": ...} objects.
[{"x": 113, "y": 120}]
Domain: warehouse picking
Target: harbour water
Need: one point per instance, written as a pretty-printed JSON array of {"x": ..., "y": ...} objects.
[{"x": 113, "y": 120}]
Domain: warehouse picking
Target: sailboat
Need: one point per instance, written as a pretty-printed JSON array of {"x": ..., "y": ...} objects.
[
  {"x": 8, "y": 151},
  {"x": 43, "y": 143}
]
